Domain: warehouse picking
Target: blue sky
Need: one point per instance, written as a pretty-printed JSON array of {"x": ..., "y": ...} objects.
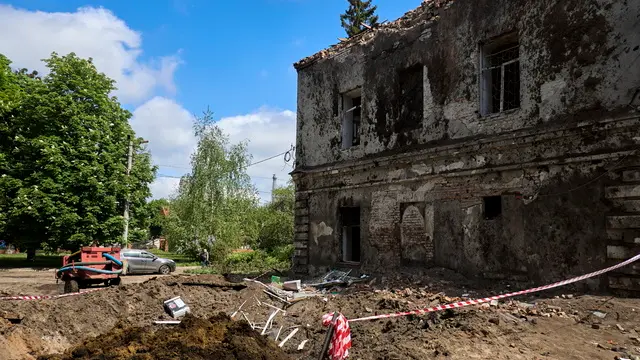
[{"x": 234, "y": 56}]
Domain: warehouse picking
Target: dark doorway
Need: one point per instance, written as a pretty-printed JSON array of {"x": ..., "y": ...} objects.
[
  {"x": 350, "y": 219},
  {"x": 492, "y": 207}
]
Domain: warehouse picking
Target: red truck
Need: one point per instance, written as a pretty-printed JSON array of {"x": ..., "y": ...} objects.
[{"x": 89, "y": 266}]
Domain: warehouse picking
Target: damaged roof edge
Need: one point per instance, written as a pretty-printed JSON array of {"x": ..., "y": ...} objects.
[{"x": 409, "y": 19}]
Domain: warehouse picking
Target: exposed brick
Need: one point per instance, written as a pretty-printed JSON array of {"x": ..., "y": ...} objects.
[
  {"x": 300, "y": 244},
  {"x": 301, "y": 220}
]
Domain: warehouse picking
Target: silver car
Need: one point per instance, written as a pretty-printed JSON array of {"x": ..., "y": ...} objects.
[{"x": 144, "y": 262}]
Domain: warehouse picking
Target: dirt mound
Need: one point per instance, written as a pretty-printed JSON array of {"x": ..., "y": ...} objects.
[
  {"x": 527, "y": 328},
  {"x": 195, "y": 338},
  {"x": 51, "y": 326}
]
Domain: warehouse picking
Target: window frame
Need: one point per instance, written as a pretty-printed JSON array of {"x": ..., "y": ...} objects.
[
  {"x": 351, "y": 138},
  {"x": 486, "y": 77}
]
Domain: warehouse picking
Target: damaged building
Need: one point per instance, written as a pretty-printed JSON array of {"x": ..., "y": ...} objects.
[{"x": 497, "y": 138}]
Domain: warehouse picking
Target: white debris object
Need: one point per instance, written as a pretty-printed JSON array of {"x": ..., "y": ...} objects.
[
  {"x": 302, "y": 344},
  {"x": 176, "y": 307},
  {"x": 288, "y": 337},
  {"x": 293, "y": 285}
]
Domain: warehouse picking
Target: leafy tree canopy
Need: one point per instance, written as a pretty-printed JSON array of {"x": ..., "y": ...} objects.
[
  {"x": 157, "y": 212},
  {"x": 211, "y": 206},
  {"x": 63, "y": 157},
  {"x": 359, "y": 12}
]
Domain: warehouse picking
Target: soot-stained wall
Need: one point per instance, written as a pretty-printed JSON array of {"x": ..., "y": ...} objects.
[{"x": 428, "y": 156}]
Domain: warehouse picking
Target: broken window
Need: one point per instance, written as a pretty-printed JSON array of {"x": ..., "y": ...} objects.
[
  {"x": 492, "y": 207},
  {"x": 500, "y": 78},
  {"x": 350, "y": 218},
  {"x": 352, "y": 110},
  {"x": 411, "y": 95}
]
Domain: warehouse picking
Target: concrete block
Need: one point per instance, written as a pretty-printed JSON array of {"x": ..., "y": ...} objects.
[
  {"x": 300, "y": 244},
  {"x": 622, "y": 191},
  {"x": 631, "y": 175},
  {"x": 619, "y": 252},
  {"x": 624, "y": 282},
  {"x": 623, "y": 222},
  {"x": 625, "y": 205}
]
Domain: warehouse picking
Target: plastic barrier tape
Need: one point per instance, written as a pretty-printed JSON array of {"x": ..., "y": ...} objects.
[
  {"x": 43, "y": 297},
  {"x": 341, "y": 337}
]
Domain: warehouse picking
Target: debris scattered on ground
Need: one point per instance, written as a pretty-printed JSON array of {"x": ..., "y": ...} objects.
[
  {"x": 176, "y": 307},
  {"x": 527, "y": 323}
]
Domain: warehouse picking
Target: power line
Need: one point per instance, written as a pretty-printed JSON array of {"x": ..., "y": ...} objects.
[{"x": 284, "y": 153}]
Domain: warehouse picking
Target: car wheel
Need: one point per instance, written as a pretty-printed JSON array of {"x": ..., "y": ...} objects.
[
  {"x": 164, "y": 270},
  {"x": 71, "y": 286}
]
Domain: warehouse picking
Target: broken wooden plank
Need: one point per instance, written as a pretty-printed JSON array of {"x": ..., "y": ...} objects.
[
  {"x": 240, "y": 308},
  {"x": 269, "y": 320},
  {"x": 276, "y": 308},
  {"x": 276, "y": 296},
  {"x": 246, "y": 318},
  {"x": 288, "y": 337}
]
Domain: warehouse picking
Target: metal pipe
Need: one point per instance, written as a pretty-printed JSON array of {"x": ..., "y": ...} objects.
[{"x": 327, "y": 340}]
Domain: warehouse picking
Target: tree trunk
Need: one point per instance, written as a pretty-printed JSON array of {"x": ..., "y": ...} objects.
[{"x": 31, "y": 254}]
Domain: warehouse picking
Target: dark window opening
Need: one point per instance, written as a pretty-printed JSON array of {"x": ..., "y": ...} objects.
[
  {"x": 500, "y": 75},
  {"x": 492, "y": 207},
  {"x": 411, "y": 96},
  {"x": 351, "y": 121},
  {"x": 350, "y": 218}
]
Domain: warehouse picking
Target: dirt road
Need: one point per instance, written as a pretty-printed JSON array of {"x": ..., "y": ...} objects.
[{"x": 43, "y": 282}]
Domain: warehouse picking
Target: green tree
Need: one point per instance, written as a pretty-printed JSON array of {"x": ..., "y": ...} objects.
[
  {"x": 359, "y": 12},
  {"x": 63, "y": 157},
  {"x": 211, "y": 207},
  {"x": 275, "y": 222},
  {"x": 156, "y": 213}
]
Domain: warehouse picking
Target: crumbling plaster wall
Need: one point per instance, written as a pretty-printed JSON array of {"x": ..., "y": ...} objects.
[
  {"x": 558, "y": 233},
  {"x": 578, "y": 62}
]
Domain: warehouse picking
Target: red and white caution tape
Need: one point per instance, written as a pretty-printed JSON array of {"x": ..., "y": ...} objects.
[
  {"x": 345, "y": 335},
  {"x": 43, "y": 297},
  {"x": 341, "y": 340}
]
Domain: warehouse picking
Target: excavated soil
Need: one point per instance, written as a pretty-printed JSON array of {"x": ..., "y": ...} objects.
[
  {"x": 117, "y": 323},
  {"x": 216, "y": 338}
]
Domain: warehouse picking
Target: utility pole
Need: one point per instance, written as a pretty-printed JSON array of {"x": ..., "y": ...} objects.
[
  {"x": 273, "y": 187},
  {"x": 125, "y": 234}
]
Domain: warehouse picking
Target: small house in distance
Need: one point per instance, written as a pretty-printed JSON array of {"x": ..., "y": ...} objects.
[{"x": 496, "y": 138}]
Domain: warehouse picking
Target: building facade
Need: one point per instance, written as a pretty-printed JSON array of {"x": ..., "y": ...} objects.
[{"x": 497, "y": 138}]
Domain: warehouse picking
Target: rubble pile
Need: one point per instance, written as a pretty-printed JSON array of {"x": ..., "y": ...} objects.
[{"x": 281, "y": 318}]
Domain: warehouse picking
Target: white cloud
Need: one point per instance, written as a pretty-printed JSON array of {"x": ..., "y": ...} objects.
[
  {"x": 116, "y": 50},
  {"x": 167, "y": 126},
  {"x": 89, "y": 32},
  {"x": 164, "y": 187},
  {"x": 270, "y": 132}
]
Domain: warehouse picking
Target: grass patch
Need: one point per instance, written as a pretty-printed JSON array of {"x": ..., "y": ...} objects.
[
  {"x": 245, "y": 263},
  {"x": 42, "y": 261}
]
